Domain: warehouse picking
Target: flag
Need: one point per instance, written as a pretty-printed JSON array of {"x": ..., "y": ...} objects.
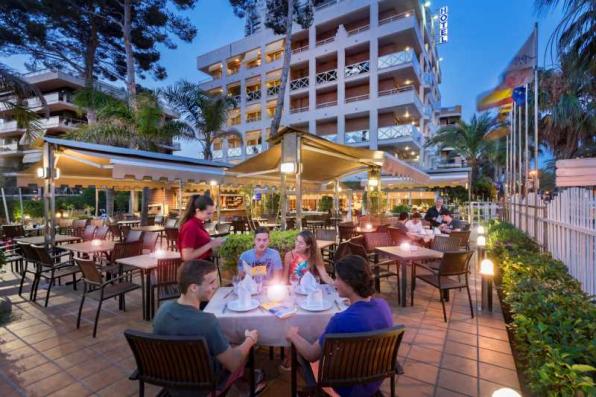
[
  {"x": 519, "y": 95},
  {"x": 520, "y": 69},
  {"x": 499, "y": 96}
]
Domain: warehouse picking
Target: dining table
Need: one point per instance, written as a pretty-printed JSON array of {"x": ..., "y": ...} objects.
[
  {"x": 90, "y": 247},
  {"x": 405, "y": 258},
  {"x": 129, "y": 222},
  {"x": 146, "y": 263},
  {"x": 272, "y": 330},
  {"x": 58, "y": 239},
  {"x": 151, "y": 228}
]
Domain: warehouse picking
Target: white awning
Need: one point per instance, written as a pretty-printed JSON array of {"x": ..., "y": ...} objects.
[
  {"x": 274, "y": 47},
  {"x": 252, "y": 55},
  {"x": 214, "y": 67}
]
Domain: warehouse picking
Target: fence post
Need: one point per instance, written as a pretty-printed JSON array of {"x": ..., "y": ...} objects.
[{"x": 545, "y": 227}]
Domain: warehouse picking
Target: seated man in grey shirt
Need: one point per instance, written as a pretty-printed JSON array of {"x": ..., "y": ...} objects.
[
  {"x": 197, "y": 280},
  {"x": 450, "y": 224}
]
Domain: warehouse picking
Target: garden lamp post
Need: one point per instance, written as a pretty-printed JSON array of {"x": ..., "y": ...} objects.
[{"x": 487, "y": 273}]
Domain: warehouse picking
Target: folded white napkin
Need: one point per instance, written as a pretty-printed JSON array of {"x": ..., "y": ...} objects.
[
  {"x": 437, "y": 230},
  {"x": 314, "y": 298},
  {"x": 244, "y": 295},
  {"x": 308, "y": 283},
  {"x": 248, "y": 283}
]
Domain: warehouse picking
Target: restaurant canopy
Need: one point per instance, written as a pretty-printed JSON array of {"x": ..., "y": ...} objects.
[
  {"x": 87, "y": 164},
  {"x": 323, "y": 161}
]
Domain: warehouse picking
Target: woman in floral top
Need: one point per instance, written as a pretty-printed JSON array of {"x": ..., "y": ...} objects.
[{"x": 306, "y": 256}]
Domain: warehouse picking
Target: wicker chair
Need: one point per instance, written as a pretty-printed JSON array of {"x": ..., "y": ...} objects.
[
  {"x": 346, "y": 231},
  {"x": 463, "y": 237},
  {"x": 356, "y": 358},
  {"x": 453, "y": 264},
  {"x": 115, "y": 232},
  {"x": 52, "y": 268},
  {"x": 133, "y": 235},
  {"x": 172, "y": 238},
  {"x": 78, "y": 225},
  {"x": 12, "y": 255},
  {"x": 102, "y": 232},
  {"x": 176, "y": 363},
  {"x": 398, "y": 235},
  {"x": 150, "y": 241},
  {"x": 88, "y": 232},
  {"x": 171, "y": 223},
  {"x": 159, "y": 219},
  {"x": 166, "y": 285},
  {"x": 13, "y": 231},
  {"x": 99, "y": 289}
]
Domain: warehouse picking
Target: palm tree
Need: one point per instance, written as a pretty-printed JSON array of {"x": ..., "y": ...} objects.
[
  {"x": 206, "y": 114},
  {"x": 15, "y": 91},
  {"x": 467, "y": 139}
]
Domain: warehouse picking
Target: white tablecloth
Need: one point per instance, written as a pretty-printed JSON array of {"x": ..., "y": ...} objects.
[{"x": 272, "y": 330}]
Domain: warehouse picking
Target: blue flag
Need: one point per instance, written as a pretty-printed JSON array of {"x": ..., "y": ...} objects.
[{"x": 519, "y": 95}]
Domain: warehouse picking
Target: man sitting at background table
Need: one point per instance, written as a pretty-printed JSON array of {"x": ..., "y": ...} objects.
[
  {"x": 414, "y": 225},
  {"x": 264, "y": 261},
  {"x": 354, "y": 281},
  {"x": 197, "y": 281},
  {"x": 449, "y": 224}
]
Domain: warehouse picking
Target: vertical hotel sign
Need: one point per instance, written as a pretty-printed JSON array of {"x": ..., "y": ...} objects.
[{"x": 443, "y": 25}]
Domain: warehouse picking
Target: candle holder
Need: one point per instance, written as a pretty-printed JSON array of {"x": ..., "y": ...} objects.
[{"x": 277, "y": 292}]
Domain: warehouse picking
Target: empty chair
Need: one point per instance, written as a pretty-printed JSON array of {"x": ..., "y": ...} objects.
[
  {"x": 326, "y": 234},
  {"x": 78, "y": 225},
  {"x": 13, "y": 231},
  {"x": 176, "y": 363},
  {"x": 398, "y": 235},
  {"x": 150, "y": 221},
  {"x": 11, "y": 254},
  {"x": 448, "y": 276},
  {"x": 158, "y": 220},
  {"x": 346, "y": 231},
  {"x": 115, "y": 232},
  {"x": 239, "y": 225},
  {"x": 102, "y": 232},
  {"x": 445, "y": 243},
  {"x": 52, "y": 268},
  {"x": 172, "y": 238},
  {"x": 290, "y": 223},
  {"x": 464, "y": 238},
  {"x": 97, "y": 288},
  {"x": 166, "y": 284},
  {"x": 29, "y": 258},
  {"x": 88, "y": 232},
  {"x": 171, "y": 222},
  {"x": 350, "y": 359},
  {"x": 150, "y": 241},
  {"x": 133, "y": 235}
]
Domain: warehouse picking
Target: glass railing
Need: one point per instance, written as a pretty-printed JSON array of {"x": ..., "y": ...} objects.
[
  {"x": 399, "y": 58},
  {"x": 360, "y": 136},
  {"x": 399, "y": 131},
  {"x": 253, "y": 149},
  {"x": 235, "y": 152},
  {"x": 217, "y": 154},
  {"x": 396, "y": 17},
  {"x": 330, "y": 137}
]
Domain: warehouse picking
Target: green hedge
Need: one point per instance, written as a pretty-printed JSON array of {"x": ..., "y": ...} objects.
[
  {"x": 236, "y": 244},
  {"x": 553, "y": 320}
]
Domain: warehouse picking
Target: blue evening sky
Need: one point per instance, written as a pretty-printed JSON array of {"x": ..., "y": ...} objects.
[{"x": 483, "y": 37}]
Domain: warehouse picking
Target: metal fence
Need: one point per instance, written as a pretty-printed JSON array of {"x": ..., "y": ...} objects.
[{"x": 565, "y": 226}]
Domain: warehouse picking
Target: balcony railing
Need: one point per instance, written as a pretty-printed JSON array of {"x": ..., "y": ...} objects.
[
  {"x": 299, "y": 109},
  {"x": 326, "y": 104},
  {"x": 325, "y": 41},
  {"x": 357, "y": 30},
  {"x": 399, "y": 131},
  {"x": 253, "y": 149},
  {"x": 325, "y": 4},
  {"x": 360, "y": 136},
  {"x": 252, "y": 117},
  {"x": 299, "y": 83},
  {"x": 427, "y": 111},
  {"x": 9, "y": 147},
  {"x": 327, "y": 76},
  {"x": 272, "y": 91},
  {"x": 253, "y": 95},
  {"x": 357, "y": 68},
  {"x": 395, "y": 91},
  {"x": 357, "y": 98},
  {"x": 396, "y": 58},
  {"x": 300, "y": 49},
  {"x": 428, "y": 78},
  {"x": 402, "y": 15},
  {"x": 330, "y": 137},
  {"x": 235, "y": 152},
  {"x": 217, "y": 154}
]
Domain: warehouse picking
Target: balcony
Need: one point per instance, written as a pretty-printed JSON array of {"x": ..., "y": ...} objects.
[
  {"x": 217, "y": 154},
  {"x": 357, "y": 98},
  {"x": 235, "y": 120},
  {"x": 299, "y": 109},
  {"x": 428, "y": 112},
  {"x": 300, "y": 49},
  {"x": 326, "y": 104},
  {"x": 325, "y": 41},
  {"x": 299, "y": 83},
  {"x": 325, "y": 5},
  {"x": 400, "y": 131},
  {"x": 9, "y": 146},
  {"x": 398, "y": 90},
  {"x": 354, "y": 137},
  {"x": 357, "y": 69},
  {"x": 359, "y": 29},
  {"x": 327, "y": 76},
  {"x": 429, "y": 79},
  {"x": 252, "y": 96},
  {"x": 272, "y": 91},
  {"x": 253, "y": 149},
  {"x": 235, "y": 152},
  {"x": 252, "y": 117},
  {"x": 396, "y": 59},
  {"x": 397, "y": 17},
  {"x": 330, "y": 137}
]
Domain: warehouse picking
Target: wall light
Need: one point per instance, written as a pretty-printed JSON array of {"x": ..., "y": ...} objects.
[
  {"x": 480, "y": 230},
  {"x": 41, "y": 172},
  {"x": 213, "y": 182},
  {"x": 505, "y": 392},
  {"x": 487, "y": 267},
  {"x": 288, "y": 168},
  {"x": 373, "y": 182}
]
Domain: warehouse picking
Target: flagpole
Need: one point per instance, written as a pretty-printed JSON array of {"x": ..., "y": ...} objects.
[
  {"x": 519, "y": 162},
  {"x": 537, "y": 185},
  {"x": 513, "y": 168},
  {"x": 526, "y": 155}
]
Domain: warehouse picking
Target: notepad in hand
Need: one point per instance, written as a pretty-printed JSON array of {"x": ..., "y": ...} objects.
[{"x": 279, "y": 311}]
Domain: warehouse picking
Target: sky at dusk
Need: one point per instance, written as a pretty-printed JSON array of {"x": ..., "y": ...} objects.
[{"x": 483, "y": 37}]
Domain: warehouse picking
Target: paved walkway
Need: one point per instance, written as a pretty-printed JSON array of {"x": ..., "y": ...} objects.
[{"x": 42, "y": 352}]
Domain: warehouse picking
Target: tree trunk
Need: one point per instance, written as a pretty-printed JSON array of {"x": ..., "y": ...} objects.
[
  {"x": 130, "y": 62},
  {"x": 207, "y": 153},
  {"x": 92, "y": 43},
  {"x": 285, "y": 70}
]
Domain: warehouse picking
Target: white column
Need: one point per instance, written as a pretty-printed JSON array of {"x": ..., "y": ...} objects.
[
  {"x": 374, "y": 50},
  {"x": 373, "y": 121},
  {"x": 341, "y": 128}
]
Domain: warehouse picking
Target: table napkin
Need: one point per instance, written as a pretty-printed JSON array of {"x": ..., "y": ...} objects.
[
  {"x": 244, "y": 294},
  {"x": 315, "y": 298},
  {"x": 248, "y": 283},
  {"x": 308, "y": 283}
]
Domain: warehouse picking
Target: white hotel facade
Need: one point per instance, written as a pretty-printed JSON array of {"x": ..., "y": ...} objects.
[{"x": 366, "y": 73}]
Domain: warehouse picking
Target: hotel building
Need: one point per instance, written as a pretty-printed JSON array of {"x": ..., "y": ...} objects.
[{"x": 366, "y": 73}]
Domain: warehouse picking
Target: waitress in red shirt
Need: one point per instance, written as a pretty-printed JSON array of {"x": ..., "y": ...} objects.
[{"x": 194, "y": 241}]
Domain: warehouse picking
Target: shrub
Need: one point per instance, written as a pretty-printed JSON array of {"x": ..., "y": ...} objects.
[
  {"x": 398, "y": 209},
  {"x": 236, "y": 244},
  {"x": 326, "y": 203},
  {"x": 553, "y": 320}
]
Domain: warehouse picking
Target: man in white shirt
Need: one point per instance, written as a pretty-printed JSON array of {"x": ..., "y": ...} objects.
[{"x": 414, "y": 225}]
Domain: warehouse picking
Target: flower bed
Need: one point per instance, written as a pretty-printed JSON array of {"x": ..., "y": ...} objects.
[{"x": 553, "y": 321}]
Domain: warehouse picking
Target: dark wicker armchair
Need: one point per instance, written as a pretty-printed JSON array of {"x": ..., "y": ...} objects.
[{"x": 53, "y": 268}]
